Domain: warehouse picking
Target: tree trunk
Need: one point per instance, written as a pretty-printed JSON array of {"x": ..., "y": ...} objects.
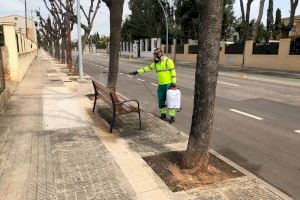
[
  {"x": 287, "y": 28},
  {"x": 69, "y": 48},
  {"x": 63, "y": 50},
  {"x": 270, "y": 21},
  {"x": 258, "y": 21},
  {"x": 57, "y": 49},
  {"x": 51, "y": 48},
  {"x": 68, "y": 38},
  {"x": 246, "y": 23},
  {"x": 196, "y": 155},
  {"x": 116, "y": 11}
]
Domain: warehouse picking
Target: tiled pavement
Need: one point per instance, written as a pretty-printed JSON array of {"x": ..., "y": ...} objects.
[{"x": 39, "y": 160}]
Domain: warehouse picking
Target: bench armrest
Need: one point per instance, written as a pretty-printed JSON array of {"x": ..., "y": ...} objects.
[{"x": 134, "y": 100}]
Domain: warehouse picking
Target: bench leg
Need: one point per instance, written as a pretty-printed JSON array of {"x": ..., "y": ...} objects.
[
  {"x": 140, "y": 120},
  {"x": 113, "y": 122},
  {"x": 95, "y": 101}
]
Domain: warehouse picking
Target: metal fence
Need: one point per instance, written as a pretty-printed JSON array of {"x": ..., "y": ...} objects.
[
  {"x": 180, "y": 49},
  {"x": 295, "y": 47},
  {"x": 193, "y": 49},
  {"x": 266, "y": 49},
  {"x": 235, "y": 48},
  {"x": 1, "y": 36}
]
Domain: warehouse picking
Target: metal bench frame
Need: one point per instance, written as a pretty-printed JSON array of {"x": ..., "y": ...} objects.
[{"x": 118, "y": 107}]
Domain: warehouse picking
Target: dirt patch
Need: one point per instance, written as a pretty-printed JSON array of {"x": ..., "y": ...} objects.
[{"x": 167, "y": 168}]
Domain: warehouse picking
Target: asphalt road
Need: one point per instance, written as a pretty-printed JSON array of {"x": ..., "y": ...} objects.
[{"x": 257, "y": 119}]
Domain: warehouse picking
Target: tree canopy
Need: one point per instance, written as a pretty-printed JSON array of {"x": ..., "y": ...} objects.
[{"x": 147, "y": 19}]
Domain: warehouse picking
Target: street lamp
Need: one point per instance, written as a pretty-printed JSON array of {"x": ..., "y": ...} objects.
[{"x": 167, "y": 27}]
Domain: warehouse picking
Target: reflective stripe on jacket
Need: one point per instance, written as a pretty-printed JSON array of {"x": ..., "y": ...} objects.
[{"x": 165, "y": 70}]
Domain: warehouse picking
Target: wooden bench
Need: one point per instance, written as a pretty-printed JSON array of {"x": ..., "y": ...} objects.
[{"x": 119, "y": 107}]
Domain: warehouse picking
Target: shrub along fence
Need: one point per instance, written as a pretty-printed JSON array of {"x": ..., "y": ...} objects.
[
  {"x": 295, "y": 47},
  {"x": 2, "y": 80},
  {"x": 266, "y": 48},
  {"x": 1, "y": 36}
]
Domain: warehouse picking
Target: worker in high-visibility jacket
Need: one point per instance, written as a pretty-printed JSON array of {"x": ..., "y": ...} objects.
[{"x": 166, "y": 74}]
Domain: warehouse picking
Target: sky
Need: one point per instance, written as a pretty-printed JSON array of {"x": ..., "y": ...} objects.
[{"x": 101, "y": 25}]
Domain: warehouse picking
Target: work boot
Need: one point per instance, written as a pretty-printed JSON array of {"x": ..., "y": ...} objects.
[
  {"x": 163, "y": 117},
  {"x": 172, "y": 120}
]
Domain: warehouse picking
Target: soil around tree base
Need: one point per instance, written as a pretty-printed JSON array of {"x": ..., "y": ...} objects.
[{"x": 167, "y": 167}]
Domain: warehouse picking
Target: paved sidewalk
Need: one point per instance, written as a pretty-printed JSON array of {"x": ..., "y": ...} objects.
[
  {"x": 53, "y": 147},
  {"x": 48, "y": 150}
]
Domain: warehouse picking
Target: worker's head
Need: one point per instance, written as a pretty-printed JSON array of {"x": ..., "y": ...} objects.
[{"x": 157, "y": 54}]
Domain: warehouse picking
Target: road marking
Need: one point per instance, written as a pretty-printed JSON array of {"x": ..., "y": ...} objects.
[
  {"x": 101, "y": 66},
  {"x": 121, "y": 73},
  {"x": 297, "y": 131},
  {"x": 129, "y": 76},
  {"x": 97, "y": 65},
  {"x": 105, "y": 68},
  {"x": 231, "y": 84},
  {"x": 154, "y": 84},
  {"x": 140, "y": 79},
  {"x": 246, "y": 114}
]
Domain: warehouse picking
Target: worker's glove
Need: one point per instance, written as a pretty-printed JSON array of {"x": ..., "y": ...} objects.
[
  {"x": 134, "y": 73},
  {"x": 173, "y": 85}
]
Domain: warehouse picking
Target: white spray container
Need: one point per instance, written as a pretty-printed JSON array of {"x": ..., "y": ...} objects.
[{"x": 173, "y": 99}]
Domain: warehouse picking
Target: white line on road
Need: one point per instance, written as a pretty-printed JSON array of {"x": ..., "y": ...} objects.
[
  {"x": 246, "y": 114},
  {"x": 97, "y": 65},
  {"x": 154, "y": 84},
  {"x": 297, "y": 131},
  {"x": 231, "y": 84},
  {"x": 101, "y": 66},
  {"x": 140, "y": 79},
  {"x": 121, "y": 73},
  {"x": 129, "y": 76},
  {"x": 105, "y": 68}
]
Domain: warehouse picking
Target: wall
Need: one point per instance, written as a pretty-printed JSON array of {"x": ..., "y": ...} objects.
[
  {"x": 229, "y": 59},
  {"x": 282, "y": 61},
  {"x": 4, "y": 52},
  {"x": 21, "y": 52},
  {"x": 4, "y": 91},
  {"x": 19, "y": 22}
]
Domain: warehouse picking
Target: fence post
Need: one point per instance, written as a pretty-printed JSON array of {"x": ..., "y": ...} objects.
[
  {"x": 11, "y": 43},
  {"x": 222, "y": 57},
  {"x": 284, "y": 47},
  {"x": 186, "y": 49},
  {"x": 248, "y": 51}
]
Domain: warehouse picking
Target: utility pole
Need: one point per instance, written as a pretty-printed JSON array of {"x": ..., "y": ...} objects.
[
  {"x": 26, "y": 18},
  {"x": 68, "y": 36},
  {"x": 79, "y": 40},
  {"x": 167, "y": 27}
]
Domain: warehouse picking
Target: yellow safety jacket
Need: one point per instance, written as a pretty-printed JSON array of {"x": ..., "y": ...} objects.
[{"x": 165, "y": 70}]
